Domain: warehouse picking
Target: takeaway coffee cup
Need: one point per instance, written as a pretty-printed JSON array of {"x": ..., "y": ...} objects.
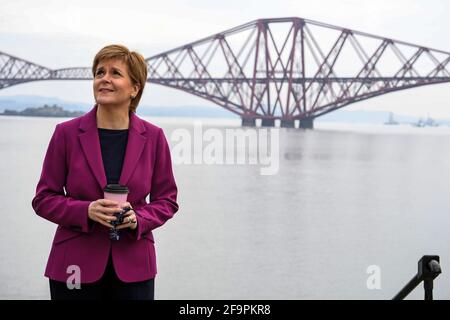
[
  {"x": 119, "y": 193},
  {"x": 116, "y": 192}
]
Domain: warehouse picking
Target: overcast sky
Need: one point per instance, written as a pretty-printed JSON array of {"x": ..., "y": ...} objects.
[{"x": 60, "y": 34}]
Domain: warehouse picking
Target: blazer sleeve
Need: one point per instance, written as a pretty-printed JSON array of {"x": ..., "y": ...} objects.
[
  {"x": 163, "y": 195},
  {"x": 50, "y": 201}
]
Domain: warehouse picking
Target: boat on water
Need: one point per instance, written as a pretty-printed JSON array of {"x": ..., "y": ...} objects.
[{"x": 428, "y": 122}]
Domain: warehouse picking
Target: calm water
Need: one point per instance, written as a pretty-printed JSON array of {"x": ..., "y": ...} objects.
[{"x": 345, "y": 198}]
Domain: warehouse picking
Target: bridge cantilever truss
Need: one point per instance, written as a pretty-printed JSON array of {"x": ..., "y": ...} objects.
[
  {"x": 293, "y": 68},
  {"x": 15, "y": 71},
  {"x": 288, "y": 69}
]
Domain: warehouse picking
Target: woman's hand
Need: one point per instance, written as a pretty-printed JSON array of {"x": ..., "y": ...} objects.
[
  {"x": 102, "y": 211},
  {"x": 129, "y": 220}
]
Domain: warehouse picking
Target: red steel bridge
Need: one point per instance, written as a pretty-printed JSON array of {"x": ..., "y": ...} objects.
[{"x": 290, "y": 69}]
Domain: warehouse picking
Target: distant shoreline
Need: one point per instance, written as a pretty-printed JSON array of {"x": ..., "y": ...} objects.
[
  {"x": 36, "y": 116},
  {"x": 45, "y": 111}
]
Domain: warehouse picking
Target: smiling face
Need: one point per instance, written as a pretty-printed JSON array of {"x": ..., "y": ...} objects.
[{"x": 113, "y": 85}]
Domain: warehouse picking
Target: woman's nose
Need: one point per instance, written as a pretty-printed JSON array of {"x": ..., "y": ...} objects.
[{"x": 107, "y": 77}]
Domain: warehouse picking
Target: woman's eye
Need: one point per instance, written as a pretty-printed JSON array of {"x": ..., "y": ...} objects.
[
  {"x": 99, "y": 72},
  {"x": 116, "y": 72}
]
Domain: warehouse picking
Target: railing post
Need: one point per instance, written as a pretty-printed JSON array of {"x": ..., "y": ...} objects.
[
  {"x": 428, "y": 269},
  {"x": 428, "y": 286}
]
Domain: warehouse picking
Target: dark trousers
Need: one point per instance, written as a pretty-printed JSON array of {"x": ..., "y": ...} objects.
[{"x": 109, "y": 287}]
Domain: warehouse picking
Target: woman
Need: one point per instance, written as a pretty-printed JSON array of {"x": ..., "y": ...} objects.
[{"x": 108, "y": 145}]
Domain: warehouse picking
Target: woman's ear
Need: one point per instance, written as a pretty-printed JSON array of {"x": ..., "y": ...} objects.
[{"x": 136, "y": 89}]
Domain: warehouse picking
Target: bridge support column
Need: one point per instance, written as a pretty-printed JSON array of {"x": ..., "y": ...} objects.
[
  {"x": 248, "y": 122},
  {"x": 287, "y": 123},
  {"x": 268, "y": 123},
  {"x": 307, "y": 123}
]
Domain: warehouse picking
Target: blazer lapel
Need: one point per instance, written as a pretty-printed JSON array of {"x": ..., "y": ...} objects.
[
  {"x": 135, "y": 146},
  {"x": 90, "y": 144}
]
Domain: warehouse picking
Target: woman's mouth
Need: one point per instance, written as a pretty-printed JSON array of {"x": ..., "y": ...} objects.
[{"x": 105, "y": 90}]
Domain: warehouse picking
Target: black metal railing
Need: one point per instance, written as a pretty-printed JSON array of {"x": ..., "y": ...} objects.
[{"x": 429, "y": 269}]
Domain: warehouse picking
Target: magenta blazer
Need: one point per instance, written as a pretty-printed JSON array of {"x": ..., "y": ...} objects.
[{"x": 73, "y": 176}]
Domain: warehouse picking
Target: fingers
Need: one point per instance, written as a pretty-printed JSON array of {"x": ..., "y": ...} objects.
[
  {"x": 104, "y": 206},
  {"x": 118, "y": 208},
  {"x": 125, "y": 205},
  {"x": 104, "y": 213},
  {"x": 128, "y": 213},
  {"x": 108, "y": 211},
  {"x": 128, "y": 222},
  {"x": 103, "y": 210},
  {"x": 105, "y": 217},
  {"x": 108, "y": 203}
]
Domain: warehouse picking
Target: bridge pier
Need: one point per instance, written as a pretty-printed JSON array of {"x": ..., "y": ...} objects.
[
  {"x": 248, "y": 122},
  {"x": 307, "y": 123},
  {"x": 267, "y": 122},
  {"x": 287, "y": 123}
]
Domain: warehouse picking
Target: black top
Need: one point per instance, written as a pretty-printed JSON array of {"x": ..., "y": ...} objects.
[{"x": 113, "y": 144}]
